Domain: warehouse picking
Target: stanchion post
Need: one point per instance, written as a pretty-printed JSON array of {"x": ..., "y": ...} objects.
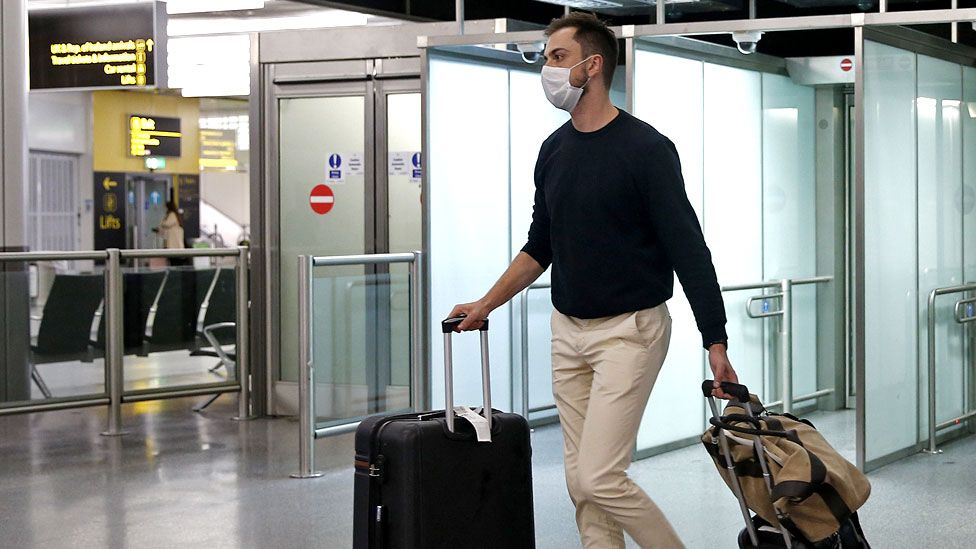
[
  {"x": 524, "y": 327},
  {"x": 243, "y": 329},
  {"x": 306, "y": 374},
  {"x": 932, "y": 449},
  {"x": 114, "y": 345},
  {"x": 417, "y": 384},
  {"x": 786, "y": 346}
]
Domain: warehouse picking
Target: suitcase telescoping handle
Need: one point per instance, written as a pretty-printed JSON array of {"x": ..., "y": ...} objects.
[
  {"x": 740, "y": 392},
  {"x": 447, "y": 327}
]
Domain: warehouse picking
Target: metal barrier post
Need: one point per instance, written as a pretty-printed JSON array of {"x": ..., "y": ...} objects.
[
  {"x": 416, "y": 334},
  {"x": 243, "y": 330},
  {"x": 114, "y": 345},
  {"x": 931, "y": 367},
  {"x": 306, "y": 374},
  {"x": 525, "y": 352},
  {"x": 786, "y": 346}
]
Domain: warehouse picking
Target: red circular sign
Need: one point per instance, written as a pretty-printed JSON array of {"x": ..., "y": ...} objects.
[
  {"x": 846, "y": 64},
  {"x": 321, "y": 199}
]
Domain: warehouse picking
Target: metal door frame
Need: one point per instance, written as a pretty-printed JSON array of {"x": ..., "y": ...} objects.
[{"x": 329, "y": 79}]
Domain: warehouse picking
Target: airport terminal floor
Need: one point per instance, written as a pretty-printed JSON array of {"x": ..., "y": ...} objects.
[{"x": 179, "y": 479}]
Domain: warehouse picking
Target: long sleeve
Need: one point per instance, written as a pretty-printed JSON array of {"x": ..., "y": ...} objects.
[
  {"x": 680, "y": 234},
  {"x": 539, "y": 245}
]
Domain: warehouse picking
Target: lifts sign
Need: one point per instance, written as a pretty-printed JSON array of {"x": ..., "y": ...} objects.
[{"x": 109, "y": 205}]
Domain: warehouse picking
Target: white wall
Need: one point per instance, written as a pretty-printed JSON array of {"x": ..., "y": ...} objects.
[
  {"x": 61, "y": 122},
  {"x": 229, "y": 192}
]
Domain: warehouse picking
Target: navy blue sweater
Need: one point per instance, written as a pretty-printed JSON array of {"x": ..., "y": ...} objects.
[{"x": 612, "y": 218}]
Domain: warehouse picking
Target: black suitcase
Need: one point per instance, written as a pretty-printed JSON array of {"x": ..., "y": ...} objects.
[{"x": 423, "y": 480}]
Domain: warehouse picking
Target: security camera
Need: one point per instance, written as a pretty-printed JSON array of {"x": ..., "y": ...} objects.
[
  {"x": 532, "y": 53},
  {"x": 747, "y": 41}
]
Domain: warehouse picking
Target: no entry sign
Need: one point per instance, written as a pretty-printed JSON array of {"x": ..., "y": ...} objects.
[
  {"x": 846, "y": 64},
  {"x": 321, "y": 199}
]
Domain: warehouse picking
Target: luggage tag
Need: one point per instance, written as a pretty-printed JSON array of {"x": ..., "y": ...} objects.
[{"x": 478, "y": 421}]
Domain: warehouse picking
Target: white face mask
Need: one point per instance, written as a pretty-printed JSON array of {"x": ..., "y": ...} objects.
[{"x": 559, "y": 91}]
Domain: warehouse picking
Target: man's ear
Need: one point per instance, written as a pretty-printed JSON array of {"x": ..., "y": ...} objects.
[{"x": 596, "y": 66}]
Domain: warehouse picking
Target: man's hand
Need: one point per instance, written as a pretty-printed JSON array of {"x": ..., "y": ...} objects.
[
  {"x": 476, "y": 313},
  {"x": 722, "y": 370}
]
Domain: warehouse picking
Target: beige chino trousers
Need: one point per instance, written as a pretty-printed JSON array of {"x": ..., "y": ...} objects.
[{"x": 603, "y": 370}]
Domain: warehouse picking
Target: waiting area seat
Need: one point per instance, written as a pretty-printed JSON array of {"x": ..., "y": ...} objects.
[
  {"x": 65, "y": 322},
  {"x": 172, "y": 319},
  {"x": 140, "y": 289}
]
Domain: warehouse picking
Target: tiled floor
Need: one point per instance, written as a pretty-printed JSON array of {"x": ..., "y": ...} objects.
[{"x": 180, "y": 479}]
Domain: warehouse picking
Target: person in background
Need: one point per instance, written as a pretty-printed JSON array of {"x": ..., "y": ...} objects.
[{"x": 171, "y": 230}]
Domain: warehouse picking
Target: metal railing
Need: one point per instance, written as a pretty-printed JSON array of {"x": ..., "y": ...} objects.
[
  {"x": 306, "y": 366},
  {"x": 961, "y": 317},
  {"x": 526, "y": 410},
  {"x": 115, "y": 345},
  {"x": 785, "y": 314}
]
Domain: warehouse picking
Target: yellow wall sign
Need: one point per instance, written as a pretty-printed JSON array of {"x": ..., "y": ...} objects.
[
  {"x": 154, "y": 136},
  {"x": 218, "y": 149}
]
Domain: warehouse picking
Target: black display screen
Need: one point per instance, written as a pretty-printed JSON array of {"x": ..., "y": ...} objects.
[
  {"x": 154, "y": 136},
  {"x": 97, "y": 47}
]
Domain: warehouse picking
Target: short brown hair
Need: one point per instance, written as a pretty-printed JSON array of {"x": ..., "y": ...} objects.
[{"x": 593, "y": 35}]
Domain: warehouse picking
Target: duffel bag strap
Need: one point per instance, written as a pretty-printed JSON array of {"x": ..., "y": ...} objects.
[{"x": 799, "y": 490}]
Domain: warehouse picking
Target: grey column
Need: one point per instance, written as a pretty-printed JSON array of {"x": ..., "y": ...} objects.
[{"x": 14, "y": 303}]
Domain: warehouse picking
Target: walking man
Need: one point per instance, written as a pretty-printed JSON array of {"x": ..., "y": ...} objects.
[{"x": 612, "y": 218}]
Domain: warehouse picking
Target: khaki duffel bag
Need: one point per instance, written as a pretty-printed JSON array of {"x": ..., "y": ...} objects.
[{"x": 814, "y": 488}]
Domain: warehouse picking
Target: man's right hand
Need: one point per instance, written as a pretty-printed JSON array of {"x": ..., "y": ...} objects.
[{"x": 475, "y": 312}]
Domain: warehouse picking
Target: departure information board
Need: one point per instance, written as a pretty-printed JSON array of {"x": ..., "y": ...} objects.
[
  {"x": 98, "y": 47},
  {"x": 154, "y": 136}
]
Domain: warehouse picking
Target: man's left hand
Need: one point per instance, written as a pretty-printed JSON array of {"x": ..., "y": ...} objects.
[{"x": 722, "y": 370}]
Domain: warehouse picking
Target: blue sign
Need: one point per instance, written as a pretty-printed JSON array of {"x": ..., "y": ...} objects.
[
  {"x": 335, "y": 174},
  {"x": 417, "y": 174},
  {"x": 416, "y": 162},
  {"x": 335, "y": 161},
  {"x": 155, "y": 197}
]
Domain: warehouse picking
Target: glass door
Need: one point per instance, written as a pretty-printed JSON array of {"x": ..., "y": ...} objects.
[{"x": 346, "y": 171}]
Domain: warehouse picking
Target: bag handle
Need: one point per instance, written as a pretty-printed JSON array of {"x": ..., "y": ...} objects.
[{"x": 448, "y": 326}]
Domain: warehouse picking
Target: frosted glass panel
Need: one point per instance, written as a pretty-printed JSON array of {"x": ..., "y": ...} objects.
[
  {"x": 789, "y": 217},
  {"x": 532, "y": 119},
  {"x": 674, "y": 107},
  {"x": 403, "y": 136},
  {"x": 939, "y": 229},
  {"x": 891, "y": 266},
  {"x": 540, "y": 348},
  {"x": 733, "y": 204},
  {"x": 361, "y": 362},
  {"x": 469, "y": 217},
  {"x": 304, "y": 152},
  {"x": 969, "y": 172}
]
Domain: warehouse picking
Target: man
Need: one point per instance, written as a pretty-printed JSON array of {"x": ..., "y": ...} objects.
[{"x": 612, "y": 218}]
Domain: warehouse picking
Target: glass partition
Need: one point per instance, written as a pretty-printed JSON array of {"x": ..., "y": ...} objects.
[
  {"x": 50, "y": 354},
  {"x": 916, "y": 207},
  {"x": 745, "y": 138},
  {"x": 361, "y": 342},
  {"x": 481, "y": 163},
  {"x": 540, "y": 350},
  {"x": 179, "y": 324}
]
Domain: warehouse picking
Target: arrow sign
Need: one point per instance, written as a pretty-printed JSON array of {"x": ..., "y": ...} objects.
[
  {"x": 149, "y": 44},
  {"x": 108, "y": 184}
]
